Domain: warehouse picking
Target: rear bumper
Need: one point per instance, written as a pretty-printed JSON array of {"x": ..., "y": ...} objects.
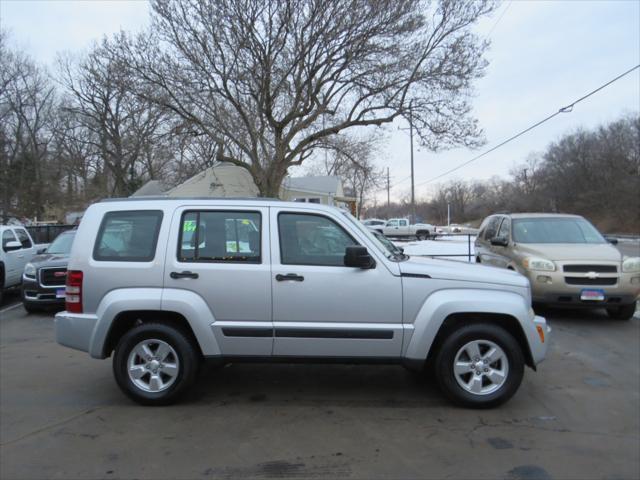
[{"x": 75, "y": 330}]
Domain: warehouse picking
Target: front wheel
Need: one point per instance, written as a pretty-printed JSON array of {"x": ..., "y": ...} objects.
[
  {"x": 624, "y": 312},
  {"x": 155, "y": 363},
  {"x": 479, "y": 366}
]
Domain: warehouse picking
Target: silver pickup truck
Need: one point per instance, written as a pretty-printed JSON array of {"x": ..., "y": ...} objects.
[{"x": 162, "y": 284}]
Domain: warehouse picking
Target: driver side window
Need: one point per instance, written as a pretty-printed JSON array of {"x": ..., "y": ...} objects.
[{"x": 307, "y": 239}]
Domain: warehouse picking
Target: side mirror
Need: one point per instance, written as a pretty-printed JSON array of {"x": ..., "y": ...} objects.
[
  {"x": 358, "y": 257},
  {"x": 12, "y": 245},
  {"x": 612, "y": 241},
  {"x": 499, "y": 242},
  {"x": 41, "y": 250}
]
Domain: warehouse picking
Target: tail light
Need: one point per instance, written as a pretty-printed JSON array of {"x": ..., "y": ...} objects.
[{"x": 73, "y": 292}]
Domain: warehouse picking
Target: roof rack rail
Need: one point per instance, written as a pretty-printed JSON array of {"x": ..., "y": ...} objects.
[{"x": 160, "y": 197}]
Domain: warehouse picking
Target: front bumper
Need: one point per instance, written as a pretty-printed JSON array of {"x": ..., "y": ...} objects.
[
  {"x": 539, "y": 339},
  {"x": 555, "y": 291},
  {"x": 74, "y": 330},
  {"x": 35, "y": 293}
]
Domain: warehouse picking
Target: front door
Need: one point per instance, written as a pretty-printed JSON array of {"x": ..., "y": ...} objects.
[
  {"x": 222, "y": 254},
  {"x": 322, "y": 308},
  {"x": 14, "y": 259}
]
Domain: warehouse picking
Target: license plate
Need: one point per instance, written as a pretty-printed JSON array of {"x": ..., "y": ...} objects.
[
  {"x": 592, "y": 295},
  {"x": 60, "y": 293}
]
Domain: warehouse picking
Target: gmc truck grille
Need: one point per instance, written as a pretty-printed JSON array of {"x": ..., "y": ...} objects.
[{"x": 53, "y": 277}]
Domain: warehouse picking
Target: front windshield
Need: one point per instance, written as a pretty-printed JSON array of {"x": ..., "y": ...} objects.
[
  {"x": 62, "y": 244},
  {"x": 388, "y": 249},
  {"x": 555, "y": 230}
]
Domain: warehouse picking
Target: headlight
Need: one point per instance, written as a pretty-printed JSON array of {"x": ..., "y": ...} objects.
[
  {"x": 30, "y": 270},
  {"x": 631, "y": 265},
  {"x": 536, "y": 263}
]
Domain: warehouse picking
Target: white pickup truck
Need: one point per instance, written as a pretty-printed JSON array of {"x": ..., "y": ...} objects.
[
  {"x": 17, "y": 250},
  {"x": 401, "y": 227}
]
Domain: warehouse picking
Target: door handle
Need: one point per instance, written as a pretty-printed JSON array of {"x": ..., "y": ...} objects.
[
  {"x": 177, "y": 275},
  {"x": 290, "y": 276}
]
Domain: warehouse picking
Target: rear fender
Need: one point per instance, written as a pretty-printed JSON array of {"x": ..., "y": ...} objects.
[{"x": 191, "y": 306}]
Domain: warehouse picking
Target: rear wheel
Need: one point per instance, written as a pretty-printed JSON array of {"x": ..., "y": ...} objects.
[
  {"x": 423, "y": 235},
  {"x": 624, "y": 312},
  {"x": 155, "y": 363},
  {"x": 479, "y": 366}
]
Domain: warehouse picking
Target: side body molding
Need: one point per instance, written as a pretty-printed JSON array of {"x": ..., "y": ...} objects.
[
  {"x": 188, "y": 304},
  {"x": 438, "y": 306}
]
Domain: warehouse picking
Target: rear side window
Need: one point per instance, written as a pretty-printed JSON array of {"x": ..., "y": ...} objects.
[
  {"x": 23, "y": 238},
  {"x": 220, "y": 236},
  {"x": 128, "y": 236}
]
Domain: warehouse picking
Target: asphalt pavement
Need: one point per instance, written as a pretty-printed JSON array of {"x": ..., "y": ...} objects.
[{"x": 578, "y": 416}]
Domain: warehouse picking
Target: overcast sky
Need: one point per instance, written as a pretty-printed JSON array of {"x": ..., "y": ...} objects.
[{"x": 544, "y": 55}]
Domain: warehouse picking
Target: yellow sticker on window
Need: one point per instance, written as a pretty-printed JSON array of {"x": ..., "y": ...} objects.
[{"x": 189, "y": 226}]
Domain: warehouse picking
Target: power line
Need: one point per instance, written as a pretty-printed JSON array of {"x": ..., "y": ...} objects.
[
  {"x": 498, "y": 20},
  {"x": 567, "y": 109}
]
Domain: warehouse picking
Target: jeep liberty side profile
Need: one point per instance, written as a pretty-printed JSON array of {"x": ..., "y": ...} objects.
[{"x": 162, "y": 284}]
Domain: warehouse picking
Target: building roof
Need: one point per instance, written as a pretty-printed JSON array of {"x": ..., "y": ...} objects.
[
  {"x": 151, "y": 188},
  {"x": 327, "y": 184},
  {"x": 220, "y": 180}
]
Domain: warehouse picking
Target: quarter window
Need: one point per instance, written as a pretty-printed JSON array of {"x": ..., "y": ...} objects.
[
  {"x": 312, "y": 240},
  {"x": 220, "y": 236},
  {"x": 504, "y": 229},
  {"x": 492, "y": 228},
  {"x": 128, "y": 236}
]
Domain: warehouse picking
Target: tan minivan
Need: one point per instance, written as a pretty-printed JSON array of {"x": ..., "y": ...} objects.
[{"x": 568, "y": 262}]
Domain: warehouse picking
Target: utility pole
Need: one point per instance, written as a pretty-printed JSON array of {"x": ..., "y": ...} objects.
[
  {"x": 448, "y": 214},
  {"x": 388, "y": 190},
  {"x": 413, "y": 190}
]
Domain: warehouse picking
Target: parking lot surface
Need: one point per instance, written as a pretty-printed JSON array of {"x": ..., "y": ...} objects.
[{"x": 62, "y": 416}]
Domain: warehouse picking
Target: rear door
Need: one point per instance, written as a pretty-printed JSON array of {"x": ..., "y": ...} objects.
[
  {"x": 403, "y": 227},
  {"x": 222, "y": 254},
  {"x": 321, "y": 307}
]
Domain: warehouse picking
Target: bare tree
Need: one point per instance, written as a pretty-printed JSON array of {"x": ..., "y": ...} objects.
[
  {"x": 27, "y": 100},
  {"x": 352, "y": 159},
  {"x": 127, "y": 130},
  {"x": 269, "y": 80}
]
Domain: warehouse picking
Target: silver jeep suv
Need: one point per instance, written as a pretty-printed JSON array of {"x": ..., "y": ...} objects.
[{"x": 161, "y": 284}]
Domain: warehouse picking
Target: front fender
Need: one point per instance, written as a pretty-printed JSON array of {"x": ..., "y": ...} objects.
[
  {"x": 438, "y": 306},
  {"x": 191, "y": 306}
]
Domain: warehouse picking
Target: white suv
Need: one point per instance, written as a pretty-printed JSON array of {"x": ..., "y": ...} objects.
[{"x": 165, "y": 283}]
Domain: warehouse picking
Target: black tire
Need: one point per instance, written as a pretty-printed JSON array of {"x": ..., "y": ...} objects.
[
  {"x": 422, "y": 235},
  {"x": 478, "y": 260},
  {"x": 188, "y": 359},
  {"x": 625, "y": 312},
  {"x": 31, "y": 308},
  {"x": 455, "y": 341}
]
